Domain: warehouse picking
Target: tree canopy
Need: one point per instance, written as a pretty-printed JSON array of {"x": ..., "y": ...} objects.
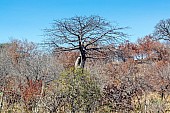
[
  {"x": 162, "y": 30},
  {"x": 84, "y": 34}
]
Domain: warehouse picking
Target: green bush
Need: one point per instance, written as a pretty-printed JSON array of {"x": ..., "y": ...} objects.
[{"x": 78, "y": 91}]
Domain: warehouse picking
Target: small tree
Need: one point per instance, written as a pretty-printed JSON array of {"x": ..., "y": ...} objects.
[{"x": 83, "y": 34}]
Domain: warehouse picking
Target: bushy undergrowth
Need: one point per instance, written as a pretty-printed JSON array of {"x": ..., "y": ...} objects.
[{"x": 36, "y": 82}]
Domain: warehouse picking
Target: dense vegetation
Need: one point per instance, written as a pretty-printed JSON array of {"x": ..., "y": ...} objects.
[{"x": 91, "y": 68}]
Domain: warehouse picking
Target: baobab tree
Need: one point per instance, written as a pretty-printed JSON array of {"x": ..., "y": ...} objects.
[{"x": 84, "y": 35}]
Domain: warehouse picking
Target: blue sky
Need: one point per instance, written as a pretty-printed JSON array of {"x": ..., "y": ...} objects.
[{"x": 25, "y": 19}]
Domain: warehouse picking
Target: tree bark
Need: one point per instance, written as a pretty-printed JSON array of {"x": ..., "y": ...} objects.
[{"x": 80, "y": 62}]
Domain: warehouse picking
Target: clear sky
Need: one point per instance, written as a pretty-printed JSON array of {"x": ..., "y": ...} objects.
[{"x": 25, "y": 19}]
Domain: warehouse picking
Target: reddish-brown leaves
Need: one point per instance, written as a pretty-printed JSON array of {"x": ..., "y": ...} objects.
[
  {"x": 32, "y": 90},
  {"x": 68, "y": 59}
]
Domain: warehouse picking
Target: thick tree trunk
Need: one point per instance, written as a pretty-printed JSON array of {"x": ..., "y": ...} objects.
[{"x": 80, "y": 62}]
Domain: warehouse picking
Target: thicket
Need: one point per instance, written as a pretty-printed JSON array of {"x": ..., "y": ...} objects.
[{"x": 134, "y": 78}]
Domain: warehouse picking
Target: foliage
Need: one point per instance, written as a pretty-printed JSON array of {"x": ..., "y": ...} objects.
[
  {"x": 77, "y": 91},
  {"x": 129, "y": 78}
]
